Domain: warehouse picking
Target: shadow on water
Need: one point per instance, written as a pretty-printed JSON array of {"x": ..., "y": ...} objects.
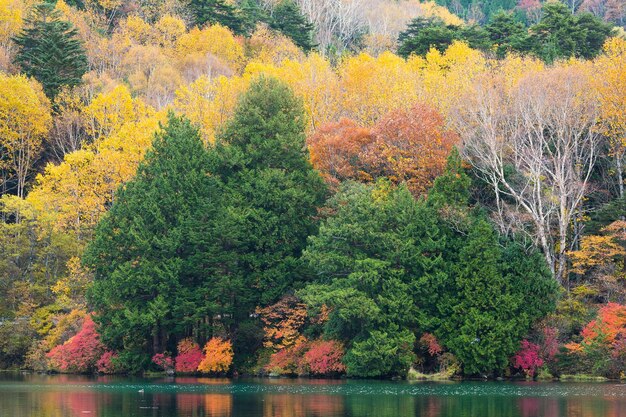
[{"x": 110, "y": 396}]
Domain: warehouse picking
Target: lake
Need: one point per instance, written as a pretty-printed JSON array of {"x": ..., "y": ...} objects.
[{"x": 73, "y": 396}]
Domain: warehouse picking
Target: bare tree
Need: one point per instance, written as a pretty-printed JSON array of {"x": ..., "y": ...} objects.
[{"x": 534, "y": 143}]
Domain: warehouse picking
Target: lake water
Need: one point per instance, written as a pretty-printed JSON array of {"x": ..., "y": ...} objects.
[{"x": 74, "y": 396}]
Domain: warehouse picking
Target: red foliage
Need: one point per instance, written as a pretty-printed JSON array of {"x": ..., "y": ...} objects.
[
  {"x": 324, "y": 357},
  {"x": 611, "y": 324},
  {"x": 430, "y": 342},
  {"x": 163, "y": 361},
  {"x": 528, "y": 358},
  {"x": 81, "y": 352},
  {"x": 289, "y": 361},
  {"x": 550, "y": 342},
  {"x": 189, "y": 356},
  {"x": 106, "y": 365}
]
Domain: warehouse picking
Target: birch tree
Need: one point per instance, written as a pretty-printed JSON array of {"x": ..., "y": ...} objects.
[{"x": 534, "y": 143}]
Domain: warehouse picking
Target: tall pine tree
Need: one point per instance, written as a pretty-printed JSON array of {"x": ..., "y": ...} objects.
[
  {"x": 146, "y": 287},
  {"x": 217, "y": 12},
  {"x": 49, "y": 50},
  {"x": 288, "y": 19}
]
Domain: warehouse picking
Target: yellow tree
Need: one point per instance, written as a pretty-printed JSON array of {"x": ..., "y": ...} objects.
[
  {"x": 210, "y": 102},
  {"x": 110, "y": 110},
  {"x": 76, "y": 192},
  {"x": 313, "y": 79},
  {"x": 372, "y": 87},
  {"x": 24, "y": 122},
  {"x": 269, "y": 47},
  {"x": 449, "y": 77},
  {"x": 214, "y": 40},
  {"x": 610, "y": 81}
]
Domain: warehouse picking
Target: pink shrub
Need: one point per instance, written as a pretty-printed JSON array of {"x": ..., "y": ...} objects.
[
  {"x": 81, "y": 352},
  {"x": 324, "y": 357},
  {"x": 528, "y": 358},
  {"x": 163, "y": 361},
  {"x": 289, "y": 360},
  {"x": 106, "y": 364},
  {"x": 189, "y": 356}
]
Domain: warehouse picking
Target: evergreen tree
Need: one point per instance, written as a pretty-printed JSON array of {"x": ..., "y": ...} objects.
[
  {"x": 272, "y": 190},
  {"x": 507, "y": 33},
  {"x": 49, "y": 50},
  {"x": 146, "y": 287},
  {"x": 422, "y": 34},
  {"x": 370, "y": 259},
  {"x": 288, "y": 19},
  {"x": 251, "y": 15},
  {"x": 391, "y": 268},
  {"x": 484, "y": 303},
  {"x": 270, "y": 201},
  {"x": 560, "y": 34},
  {"x": 491, "y": 307},
  {"x": 217, "y": 12}
]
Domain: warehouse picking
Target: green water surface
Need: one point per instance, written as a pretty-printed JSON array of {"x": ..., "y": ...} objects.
[{"x": 72, "y": 396}]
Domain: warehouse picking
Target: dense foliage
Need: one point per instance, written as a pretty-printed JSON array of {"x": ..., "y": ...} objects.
[
  {"x": 229, "y": 187},
  {"x": 558, "y": 35},
  {"x": 388, "y": 264}
]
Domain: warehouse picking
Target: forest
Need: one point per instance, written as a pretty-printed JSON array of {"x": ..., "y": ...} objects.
[{"x": 368, "y": 188}]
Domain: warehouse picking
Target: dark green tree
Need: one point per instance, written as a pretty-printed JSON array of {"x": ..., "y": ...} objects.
[
  {"x": 369, "y": 257},
  {"x": 270, "y": 202},
  {"x": 49, "y": 50},
  {"x": 251, "y": 14},
  {"x": 272, "y": 189},
  {"x": 493, "y": 303},
  {"x": 507, "y": 33},
  {"x": 561, "y": 35},
  {"x": 146, "y": 286},
  {"x": 217, "y": 12},
  {"x": 484, "y": 303},
  {"x": 288, "y": 19},
  {"x": 422, "y": 34},
  {"x": 391, "y": 268}
]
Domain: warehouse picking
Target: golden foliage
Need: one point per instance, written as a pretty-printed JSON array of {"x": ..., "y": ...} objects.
[
  {"x": 218, "y": 356},
  {"x": 24, "y": 122}
]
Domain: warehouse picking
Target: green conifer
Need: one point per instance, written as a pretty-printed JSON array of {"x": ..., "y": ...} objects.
[{"x": 49, "y": 50}]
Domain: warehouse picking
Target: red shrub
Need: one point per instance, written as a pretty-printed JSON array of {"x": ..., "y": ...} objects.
[
  {"x": 81, "y": 352},
  {"x": 289, "y": 361},
  {"x": 429, "y": 341},
  {"x": 324, "y": 357},
  {"x": 527, "y": 358},
  {"x": 189, "y": 356},
  {"x": 163, "y": 361},
  {"x": 106, "y": 364}
]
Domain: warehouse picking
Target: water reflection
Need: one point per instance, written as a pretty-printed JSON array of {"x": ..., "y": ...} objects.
[{"x": 73, "y": 396}]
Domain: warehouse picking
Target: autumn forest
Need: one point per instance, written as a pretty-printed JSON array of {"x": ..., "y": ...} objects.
[{"x": 361, "y": 188}]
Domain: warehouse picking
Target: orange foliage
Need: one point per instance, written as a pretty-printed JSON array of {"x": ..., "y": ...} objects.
[
  {"x": 609, "y": 328},
  {"x": 599, "y": 250},
  {"x": 218, "y": 356},
  {"x": 336, "y": 151},
  {"x": 282, "y": 322},
  {"x": 406, "y": 146},
  {"x": 412, "y": 146}
]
